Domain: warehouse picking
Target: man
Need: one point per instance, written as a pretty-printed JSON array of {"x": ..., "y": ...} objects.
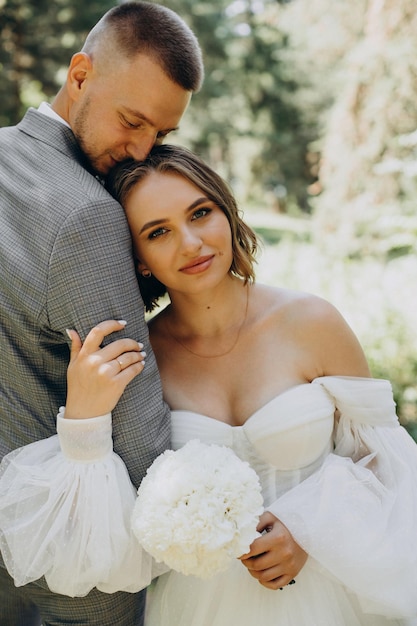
[{"x": 65, "y": 255}]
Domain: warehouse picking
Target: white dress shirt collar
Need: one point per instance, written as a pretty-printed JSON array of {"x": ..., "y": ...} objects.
[{"x": 46, "y": 109}]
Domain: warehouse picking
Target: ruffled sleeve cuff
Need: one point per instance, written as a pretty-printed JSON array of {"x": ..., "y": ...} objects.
[
  {"x": 357, "y": 516},
  {"x": 87, "y": 440},
  {"x": 65, "y": 513}
]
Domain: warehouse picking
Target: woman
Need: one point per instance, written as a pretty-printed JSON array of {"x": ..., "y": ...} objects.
[{"x": 276, "y": 375}]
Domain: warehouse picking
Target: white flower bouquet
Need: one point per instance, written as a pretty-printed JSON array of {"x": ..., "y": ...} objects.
[{"x": 198, "y": 508}]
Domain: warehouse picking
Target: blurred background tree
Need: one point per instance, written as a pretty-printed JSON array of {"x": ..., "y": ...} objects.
[
  {"x": 244, "y": 119},
  {"x": 309, "y": 109},
  {"x": 37, "y": 40},
  {"x": 368, "y": 144}
]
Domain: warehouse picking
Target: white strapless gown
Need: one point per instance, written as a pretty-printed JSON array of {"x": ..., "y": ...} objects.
[
  {"x": 346, "y": 489},
  {"x": 341, "y": 514}
]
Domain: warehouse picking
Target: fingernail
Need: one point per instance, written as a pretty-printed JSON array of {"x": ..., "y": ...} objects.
[
  {"x": 122, "y": 322},
  {"x": 140, "y": 345},
  {"x": 68, "y": 333},
  {"x": 143, "y": 353}
]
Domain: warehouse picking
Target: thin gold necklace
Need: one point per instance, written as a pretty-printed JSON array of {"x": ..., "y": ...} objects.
[{"x": 215, "y": 356}]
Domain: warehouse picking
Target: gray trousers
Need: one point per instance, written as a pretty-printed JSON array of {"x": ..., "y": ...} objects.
[{"x": 34, "y": 604}]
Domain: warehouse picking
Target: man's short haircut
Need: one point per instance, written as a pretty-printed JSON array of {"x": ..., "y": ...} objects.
[{"x": 154, "y": 30}]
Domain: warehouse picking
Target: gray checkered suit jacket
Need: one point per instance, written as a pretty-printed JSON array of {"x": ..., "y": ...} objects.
[{"x": 65, "y": 262}]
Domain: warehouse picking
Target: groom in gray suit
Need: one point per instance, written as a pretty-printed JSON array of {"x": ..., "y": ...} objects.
[{"x": 65, "y": 256}]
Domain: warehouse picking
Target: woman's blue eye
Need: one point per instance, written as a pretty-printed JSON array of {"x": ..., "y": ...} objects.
[
  {"x": 201, "y": 213},
  {"x": 156, "y": 233}
]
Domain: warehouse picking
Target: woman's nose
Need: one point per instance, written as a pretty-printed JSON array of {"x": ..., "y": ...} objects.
[{"x": 191, "y": 240}]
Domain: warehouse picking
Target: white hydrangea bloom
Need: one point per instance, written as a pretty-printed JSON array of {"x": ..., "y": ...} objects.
[{"x": 198, "y": 508}]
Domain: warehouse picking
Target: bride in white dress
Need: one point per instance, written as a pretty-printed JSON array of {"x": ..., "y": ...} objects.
[{"x": 276, "y": 375}]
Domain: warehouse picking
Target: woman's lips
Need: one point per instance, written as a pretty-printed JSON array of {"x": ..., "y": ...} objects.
[{"x": 198, "y": 265}]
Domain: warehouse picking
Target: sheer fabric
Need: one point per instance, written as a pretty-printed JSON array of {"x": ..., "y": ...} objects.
[
  {"x": 65, "y": 507},
  {"x": 345, "y": 487}
]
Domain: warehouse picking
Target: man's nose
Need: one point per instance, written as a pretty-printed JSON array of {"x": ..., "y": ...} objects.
[{"x": 139, "y": 149}]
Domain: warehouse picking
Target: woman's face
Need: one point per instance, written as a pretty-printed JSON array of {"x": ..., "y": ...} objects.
[{"x": 180, "y": 235}]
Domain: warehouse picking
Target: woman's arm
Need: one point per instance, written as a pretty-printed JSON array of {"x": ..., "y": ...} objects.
[{"x": 66, "y": 501}]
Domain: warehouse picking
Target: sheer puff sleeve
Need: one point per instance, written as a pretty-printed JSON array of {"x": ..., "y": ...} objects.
[
  {"x": 65, "y": 510},
  {"x": 357, "y": 516}
]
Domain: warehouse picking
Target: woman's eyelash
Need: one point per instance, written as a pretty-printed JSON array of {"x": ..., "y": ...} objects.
[
  {"x": 156, "y": 233},
  {"x": 201, "y": 212}
]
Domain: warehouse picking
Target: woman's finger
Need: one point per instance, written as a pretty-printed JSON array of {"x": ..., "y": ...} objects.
[
  {"x": 97, "y": 334},
  {"x": 126, "y": 359},
  {"x": 117, "y": 348},
  {"x": 94, "y": 339},
  {"x": 76, "y": 343},
  {"x": 129, "y": 372}
]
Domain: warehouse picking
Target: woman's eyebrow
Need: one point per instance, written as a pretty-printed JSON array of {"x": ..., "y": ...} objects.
[{"x": 159, "y": 221}]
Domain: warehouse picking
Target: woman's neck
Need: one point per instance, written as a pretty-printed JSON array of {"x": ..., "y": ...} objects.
[{"x": 209, "y": 324}]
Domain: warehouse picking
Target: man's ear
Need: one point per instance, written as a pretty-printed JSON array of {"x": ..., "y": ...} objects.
[{"x": 80, "y": 68}]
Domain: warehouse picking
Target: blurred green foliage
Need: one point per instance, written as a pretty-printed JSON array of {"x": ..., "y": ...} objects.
[
  {"x": 246, "y": 101},
  {"x": 37, "y": 40},
  {"x": 309, "y": 109}
]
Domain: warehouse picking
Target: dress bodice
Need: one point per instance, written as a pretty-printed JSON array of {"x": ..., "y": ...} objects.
[
  {"x": 284, "y": 441},
  {"x": 289, "y": 432}
]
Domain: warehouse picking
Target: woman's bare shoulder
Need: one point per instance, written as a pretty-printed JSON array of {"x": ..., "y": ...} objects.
[
  {"x": 298, "y": 305},
  {"x": 316, "y": 326}
]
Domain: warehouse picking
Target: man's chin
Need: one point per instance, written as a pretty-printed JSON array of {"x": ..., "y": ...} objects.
[
  {"x": 107, "y": 165},
  {"x": 104, "y": 166},
  {"x": 101, "y": 170}
]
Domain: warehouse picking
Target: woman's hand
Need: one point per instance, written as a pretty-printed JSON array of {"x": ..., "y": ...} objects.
[
  {"x": 275, "y": 558},
  {"x": 97, "y": 376}
]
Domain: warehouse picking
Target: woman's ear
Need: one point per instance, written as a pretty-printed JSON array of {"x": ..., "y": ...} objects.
[{"x": 142, "y": 269}]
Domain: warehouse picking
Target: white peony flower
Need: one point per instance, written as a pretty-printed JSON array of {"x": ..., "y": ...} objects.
[{"x": 198, "y": 508}]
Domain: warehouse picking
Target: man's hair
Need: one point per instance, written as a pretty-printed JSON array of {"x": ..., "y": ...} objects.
[
  {"x": 179, "y": 160},
  {"x": 152, "y": 29}
]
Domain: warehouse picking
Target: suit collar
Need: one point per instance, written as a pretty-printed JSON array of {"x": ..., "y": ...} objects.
[{"x": 54, "y": 133}]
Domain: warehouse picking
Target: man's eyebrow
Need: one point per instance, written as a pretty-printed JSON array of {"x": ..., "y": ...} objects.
[{"x": 144, "y": 118}]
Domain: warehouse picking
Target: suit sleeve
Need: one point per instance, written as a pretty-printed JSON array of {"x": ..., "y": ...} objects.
[{"x": 92, "y": 278}]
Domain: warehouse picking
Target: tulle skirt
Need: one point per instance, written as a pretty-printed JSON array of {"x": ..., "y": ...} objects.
[{"x": 234, "y": 598}]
